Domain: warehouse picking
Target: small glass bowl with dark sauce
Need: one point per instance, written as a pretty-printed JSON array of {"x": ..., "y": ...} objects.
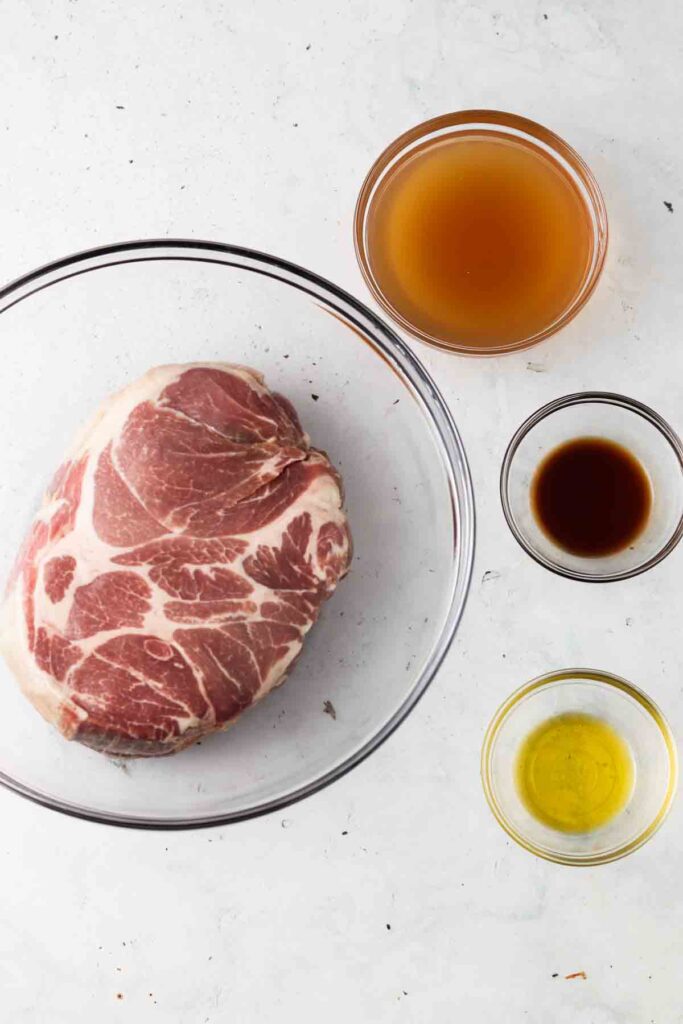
[{"x": 592, "y": 487}]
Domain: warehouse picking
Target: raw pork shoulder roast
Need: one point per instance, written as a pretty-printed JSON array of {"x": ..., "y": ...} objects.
[{"x": 181, "y": 554}]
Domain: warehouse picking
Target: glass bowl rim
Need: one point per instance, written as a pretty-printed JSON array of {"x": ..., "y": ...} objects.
[
  {"x": 403, "y": 363},
  {"x": 515, "y": 124},
  {"x": 587, "y": 398},
  {"x": 603, "y": 678}
]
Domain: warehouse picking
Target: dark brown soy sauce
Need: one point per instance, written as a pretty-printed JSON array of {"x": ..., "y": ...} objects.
[{"x": 591, "y": 496}]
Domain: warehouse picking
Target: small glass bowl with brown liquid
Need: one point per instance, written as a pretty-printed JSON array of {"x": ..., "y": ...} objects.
[
  {"x": 592, "y": 487},
  {"x": 480, "y": 232}
]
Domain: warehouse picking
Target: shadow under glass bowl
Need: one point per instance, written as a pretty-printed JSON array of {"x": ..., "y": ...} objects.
[
  {"x": 79, "y": 329},
  {"x": 631, "y": 714},
  {"x": 630, "y": 424}
]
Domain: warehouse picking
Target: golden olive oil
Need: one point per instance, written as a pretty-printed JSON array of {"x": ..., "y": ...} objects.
[{"x": 574, "y": 772}]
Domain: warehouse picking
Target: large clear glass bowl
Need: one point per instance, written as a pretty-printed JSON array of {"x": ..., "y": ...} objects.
[{"x": 77, "y": 330}]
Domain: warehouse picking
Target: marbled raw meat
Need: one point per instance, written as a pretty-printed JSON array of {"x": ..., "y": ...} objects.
[{"x": 182, "y": 552}]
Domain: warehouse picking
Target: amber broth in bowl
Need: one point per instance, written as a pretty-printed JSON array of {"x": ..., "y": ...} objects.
[{"x": 480, "y": 232}]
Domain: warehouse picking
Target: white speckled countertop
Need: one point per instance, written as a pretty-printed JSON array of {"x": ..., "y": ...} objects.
[{"x": 393, "y": 895}]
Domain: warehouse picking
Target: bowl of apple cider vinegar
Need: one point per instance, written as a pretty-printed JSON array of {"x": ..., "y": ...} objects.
[
  {"x": 579, "y": 767},
  {"x": 480, "y": 232}
]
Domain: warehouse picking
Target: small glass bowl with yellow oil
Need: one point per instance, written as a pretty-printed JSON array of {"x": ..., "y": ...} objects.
[{"x": 579, "y": 767}]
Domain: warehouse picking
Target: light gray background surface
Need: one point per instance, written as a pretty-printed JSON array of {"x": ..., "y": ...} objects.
[{"x": 255, "y": 123}]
